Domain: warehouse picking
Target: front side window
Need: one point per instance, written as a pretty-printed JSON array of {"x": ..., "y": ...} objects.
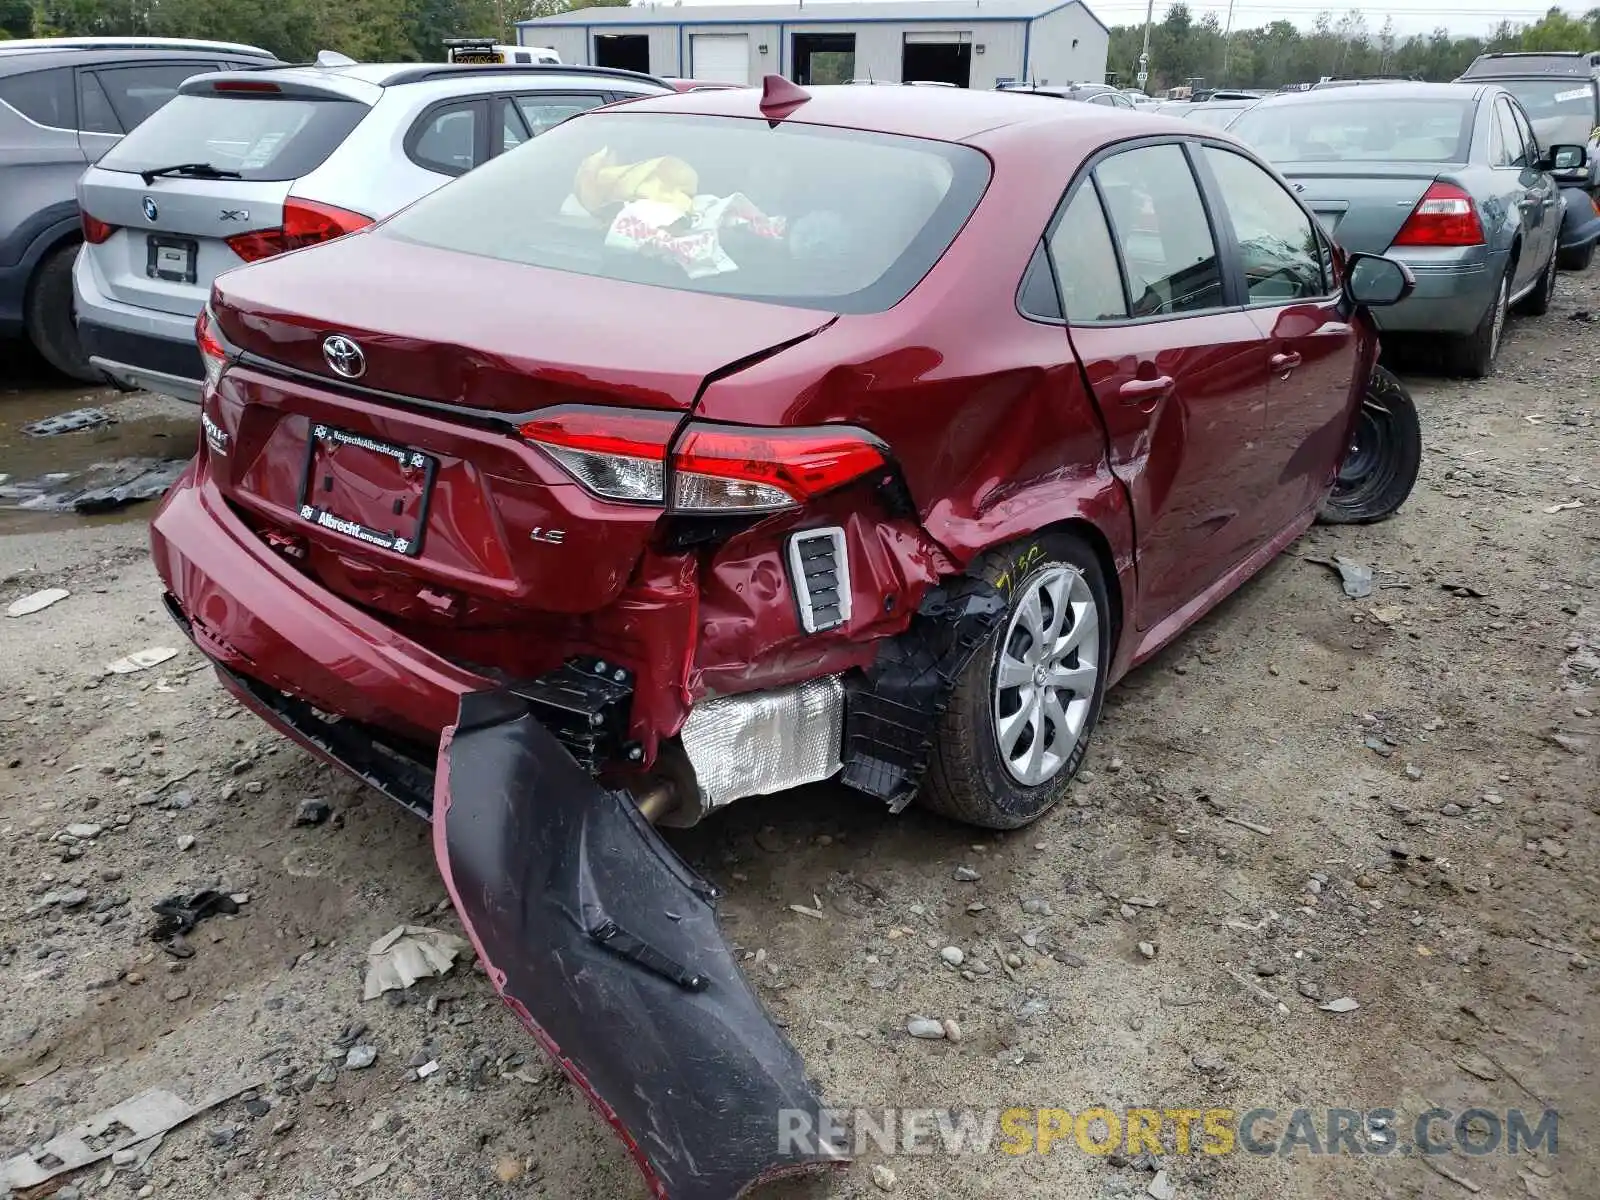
[
  {"x": 1277, "y": 240},
  {"x": 842, "y": 220},
  {"x": 1085, "y": 262},
  {"x": 1169, "y": 257},
  {"x": 1529, "y": 139},
  {"x": 1512, "y": 152}
]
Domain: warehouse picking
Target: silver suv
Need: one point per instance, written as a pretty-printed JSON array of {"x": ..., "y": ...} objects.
[
  {"x": 63, "y": 103},
  {"x": 241, "y": 166}
]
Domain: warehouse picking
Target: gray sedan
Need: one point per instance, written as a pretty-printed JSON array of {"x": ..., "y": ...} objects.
[{"x": 1448, "y": 178}]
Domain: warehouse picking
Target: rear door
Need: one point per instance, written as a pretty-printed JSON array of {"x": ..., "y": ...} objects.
[
  {"x": 1177, "y": 368},
  {"x": 1291, "y": 292}
]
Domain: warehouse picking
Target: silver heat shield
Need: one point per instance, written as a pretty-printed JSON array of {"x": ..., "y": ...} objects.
[{"x": 763, "y": 742}]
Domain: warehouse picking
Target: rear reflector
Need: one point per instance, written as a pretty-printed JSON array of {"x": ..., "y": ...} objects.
[
  {"x": 1445, "y": 216},
  {"x": 95, "y": 230},
  {"x": 305, "y": 223},
  {"x": 213, "y": 354},
  {"x": 622, "y": 455}
]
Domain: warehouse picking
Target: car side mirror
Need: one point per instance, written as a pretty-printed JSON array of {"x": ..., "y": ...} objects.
[
  {"x": 1564, "y": 158},
  {"x": 1373, "y": 281}
]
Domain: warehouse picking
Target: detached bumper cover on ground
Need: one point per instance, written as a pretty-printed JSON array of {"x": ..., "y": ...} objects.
[{"x": 606, "y": 945}]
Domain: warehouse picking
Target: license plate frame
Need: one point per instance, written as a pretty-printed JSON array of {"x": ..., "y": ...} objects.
[
  {"x": 160, "y": 266},
  {"x": 396, "y": 542}
]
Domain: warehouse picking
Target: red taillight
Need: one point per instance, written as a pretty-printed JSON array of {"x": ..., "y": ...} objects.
[
  {"x": 305, "y": 223},
  {"x": 1445, "y": 216},
  {"x": 721, "y": 467},
  {"x": 95, "y": 230},
  {"x": 622, "y": 455},
  {"x": 213, "y": 353}
]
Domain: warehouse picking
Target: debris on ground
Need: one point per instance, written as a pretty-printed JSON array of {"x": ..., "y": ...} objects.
[
  {"x": 36, "y": 602},
  {"x": 141, "y": 660},
  {"x": 1355, "y": 576},
  {"x": 100, "y": 488},
  {"x": 69, "y": 422},
  {"x": 1343, "y": 1004},
  {"x": 313, "y": 812},
  {"x": 406, "y": 954},
  {"x": 180, "y": 914},
  {"x": 1562, "y": 506},
  {"x": 120, "y": 1127}
]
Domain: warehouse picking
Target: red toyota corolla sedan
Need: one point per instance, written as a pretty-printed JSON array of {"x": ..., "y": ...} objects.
[{"x": 719, "y": 443}]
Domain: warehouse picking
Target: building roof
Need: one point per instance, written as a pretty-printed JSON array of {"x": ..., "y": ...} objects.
[{"x": 904, "y": 12}]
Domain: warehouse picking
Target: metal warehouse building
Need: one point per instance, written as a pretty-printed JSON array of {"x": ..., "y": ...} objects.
[{"x": 973, "y": 44}]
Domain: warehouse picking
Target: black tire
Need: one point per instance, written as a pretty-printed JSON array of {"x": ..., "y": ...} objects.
[
  {"x": 49, "y": 317},
  {"x": 1537, "y": 302},
  {"x": 968, "y": 780},
  {"x": 1385, "y": 454},
  {"x": 1474, "y": 355},
  {"x": 1575, "y": 259}
]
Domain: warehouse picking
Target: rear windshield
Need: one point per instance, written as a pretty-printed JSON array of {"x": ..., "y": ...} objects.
[
  {"x": 262, "y": 138},
  {"x": 840, "y": 220},
  {"x": 1562, "y": 110},
  {"x": 1367, "y": 130}
]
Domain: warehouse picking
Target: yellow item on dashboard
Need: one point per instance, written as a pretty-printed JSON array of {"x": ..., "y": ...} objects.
[{"x": 602, "y": 182}]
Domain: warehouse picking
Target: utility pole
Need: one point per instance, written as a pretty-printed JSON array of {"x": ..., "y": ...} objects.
[
  {"x": 1143, "y": 76},
  {"x": 1227, "y": 44}
]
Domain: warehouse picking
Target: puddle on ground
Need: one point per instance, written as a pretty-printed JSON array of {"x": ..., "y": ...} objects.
[{"x": 41, "y": 474}]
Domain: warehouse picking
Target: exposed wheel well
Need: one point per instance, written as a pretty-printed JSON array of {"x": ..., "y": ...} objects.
[{"x": 1097, "y": 542}]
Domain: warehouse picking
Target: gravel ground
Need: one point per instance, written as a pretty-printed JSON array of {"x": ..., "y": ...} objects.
[{"x": 1307, "y": 798}]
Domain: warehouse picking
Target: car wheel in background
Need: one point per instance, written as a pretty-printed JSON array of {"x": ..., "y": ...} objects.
[
  {"x": 1022, "y": 712},
  {"x": 49, "y": 317},
  {"x": 1575, "y": 260},
  {"x": 1537, "y": 302},
  {"x": 1380, "y": 467},
  {"x": 1475, "y": 354}
]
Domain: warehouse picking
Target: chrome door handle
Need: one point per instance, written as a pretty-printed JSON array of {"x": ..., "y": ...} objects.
[
  {"x": 1285, "y": 362},
  {"x": 1145, "y": 391}
]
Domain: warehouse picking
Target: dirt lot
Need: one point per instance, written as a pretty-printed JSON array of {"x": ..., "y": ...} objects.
[{"x": 1308, "y": 798}]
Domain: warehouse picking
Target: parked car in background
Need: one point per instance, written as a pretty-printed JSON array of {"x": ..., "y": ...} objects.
[
  {"x": 1218, "y": 114},
  {"x": 487, "y": 52},
  {"x": 678, "y": 84},
  {"x": 1446, "y": 177},
  {"x": 1088, "y": 93},
  {"x": 240, "y": 167},
  {"x": 522, "y": 487},
  {"x": 64, "y": 103},
  {"x": 1560, "y": 91}
]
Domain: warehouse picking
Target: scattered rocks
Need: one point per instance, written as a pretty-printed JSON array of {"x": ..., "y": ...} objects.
[
  {"x": 1162, "y": 1187},
  {"x": 1147, "y": 949},
  {"x": 186, "y": 841},
  {"x": 1036, "y": 907},
  {"x": 952, "y": 955},
  {"x": 967, "y": 875},
  {"x": 84, "y": 831},
  {"x": 508, "y": 1169},
  {"x": 952, "y": 1031},
  {"x": 1343, "y": 1004},
  {"x": 882, "y": 1178},
  {"x": 925, "y": 1028},
  {"x": 361, "y": 1057},
  {"x": 1451, "y": 810},
  {"x": 1413, "y": 771},
  {"x": 313, "y": 812},
  {"x": 178, "y": 991}
]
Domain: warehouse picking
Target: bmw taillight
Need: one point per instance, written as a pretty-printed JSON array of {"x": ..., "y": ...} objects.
[
  {"x": 710, "y": 468},
  {"x": 213, "y": 353},
  {"x": 305, "y": 223},
  {"x": 96, "y": 231},
  {"x": 1445, "y": 216}
]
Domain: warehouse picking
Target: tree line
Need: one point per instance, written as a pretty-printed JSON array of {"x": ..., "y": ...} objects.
[{"x": 1181, "y": 47}]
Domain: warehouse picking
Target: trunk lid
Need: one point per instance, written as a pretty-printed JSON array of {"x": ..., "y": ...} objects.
[
  {"x": 410, "y": 487},
  {"x": 1363, "y": 205}
]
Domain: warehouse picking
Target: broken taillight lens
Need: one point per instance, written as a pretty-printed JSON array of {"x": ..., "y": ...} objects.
[
  {"x": 1445, "y": 216},
  {"x": 213, "y": 352},
  {"x": 624, "y": 455},
  {"x": 305, "y": 223}
]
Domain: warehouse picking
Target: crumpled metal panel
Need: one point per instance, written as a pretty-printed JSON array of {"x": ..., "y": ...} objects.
[
  {"x": 763, "y": 742},
  {"x": 606, "y": 945}
]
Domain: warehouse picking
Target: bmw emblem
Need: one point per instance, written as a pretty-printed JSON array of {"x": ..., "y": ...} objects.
[
  {"x": 344, "y": 356},
  {"x": 151, "y": 212}
]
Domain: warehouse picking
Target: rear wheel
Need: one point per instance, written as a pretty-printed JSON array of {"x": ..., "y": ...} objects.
[
  {"x": 49, "y": 316},
  {"x": 1380, "y": 467},
  {"x": 1021, "y": 715},
  {"x": 1575, "y": 259},
  {"x": 1537, "y": 302},
  {"x": 1475, "y": 353}
]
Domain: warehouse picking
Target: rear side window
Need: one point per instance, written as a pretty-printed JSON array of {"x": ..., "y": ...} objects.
[
  {"x": 446, "y": 138},
  {"x": 94, "y": 109},
  {"x": 137, "y": 92},
  {"x": 1086, "y": 263},
  {"x": 1169, "y": 257},
  {"x": 262, "y": 138},
  {"x": 841, "y": 220},
  {"x": 44, "y": 97}
]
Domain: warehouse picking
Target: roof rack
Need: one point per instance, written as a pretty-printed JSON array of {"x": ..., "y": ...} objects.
[{"x": 424, "y": 73}]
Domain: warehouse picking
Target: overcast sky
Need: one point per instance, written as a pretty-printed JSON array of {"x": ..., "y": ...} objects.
[{"x": 1461, "y": 17}]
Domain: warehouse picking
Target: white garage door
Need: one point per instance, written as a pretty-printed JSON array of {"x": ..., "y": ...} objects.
[{"x": 720, "y": 57}]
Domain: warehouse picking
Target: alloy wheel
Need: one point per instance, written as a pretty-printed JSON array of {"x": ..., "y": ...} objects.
[{"x": 1045, "y": 674}]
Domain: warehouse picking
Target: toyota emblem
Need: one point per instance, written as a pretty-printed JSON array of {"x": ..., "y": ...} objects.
[
  {"x": 344, "y": 356},
  {"x": 151, "y": 212}
]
